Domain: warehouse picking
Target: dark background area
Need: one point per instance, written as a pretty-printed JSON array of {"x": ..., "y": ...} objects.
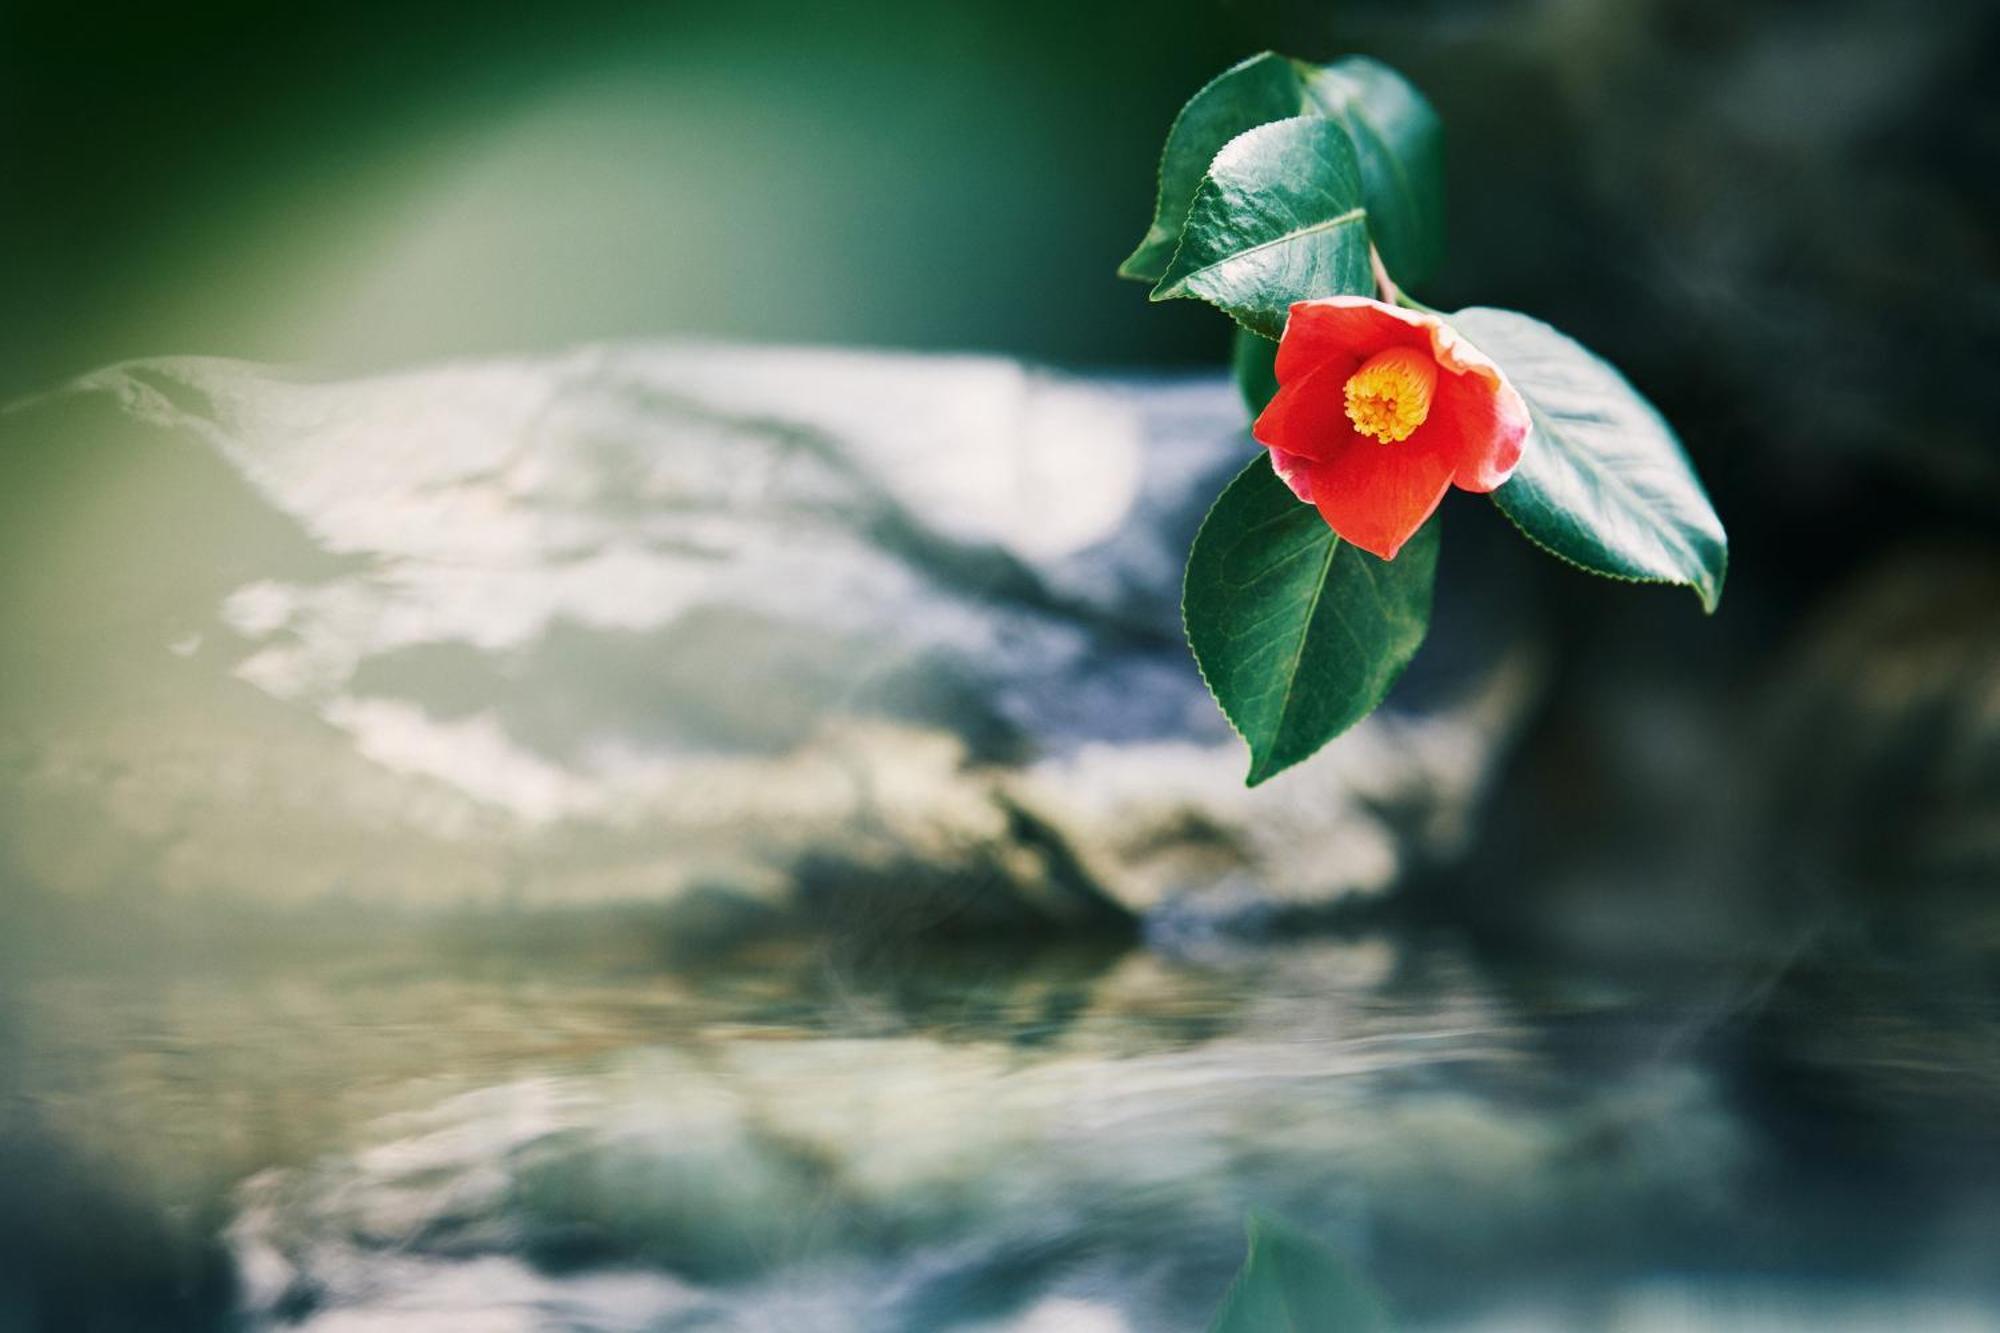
[
  {"x": 1808, "y": 188},
  {"x": 381, "y": 182}
]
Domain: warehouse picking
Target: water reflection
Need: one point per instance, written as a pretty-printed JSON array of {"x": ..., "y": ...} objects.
[{"x": 817, "y": 1138}]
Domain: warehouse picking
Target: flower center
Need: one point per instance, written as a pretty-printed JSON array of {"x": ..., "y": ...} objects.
[{"x": 1390, "y": 395}]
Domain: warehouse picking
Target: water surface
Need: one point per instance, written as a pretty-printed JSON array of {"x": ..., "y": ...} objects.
[{"x": 828, "y": 1137}]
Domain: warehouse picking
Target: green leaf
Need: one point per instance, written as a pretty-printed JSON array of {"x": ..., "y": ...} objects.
[
  {"x": 1298, "y": 634},
  {"x": 1256, "y": 92},
  {"x": 1291, "y": 1284},
  {"x": 1254, "y": 362},
  {"x": 1400, "y": 144},
  {"x": 1278, "y": 219},
  {"x": 1603, "y": 482},
  {"x": 1396, "y": 136}
]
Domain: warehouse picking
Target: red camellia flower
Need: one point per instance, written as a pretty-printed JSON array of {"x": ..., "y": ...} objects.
[{"x": 1379, "y": 410}]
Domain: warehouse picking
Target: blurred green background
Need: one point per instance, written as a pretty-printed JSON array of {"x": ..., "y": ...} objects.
[
  {"x": 373, "y": 183},
  {"x": 369, "y": 183}
]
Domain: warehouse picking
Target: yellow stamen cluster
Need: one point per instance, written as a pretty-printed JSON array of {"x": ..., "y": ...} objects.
[{"x": 1390, "y": 395}]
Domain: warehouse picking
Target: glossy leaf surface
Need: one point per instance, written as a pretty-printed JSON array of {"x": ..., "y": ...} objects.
[
  {"x": 1298, "y": 634},
  {"x": 1603, "y": 482},
  {"x": 1255, "y": 92},
  {"x": 1400, "y": 145},
  {"x": 1278, "y": 219},
  {"x": 1397, "y": 138}
]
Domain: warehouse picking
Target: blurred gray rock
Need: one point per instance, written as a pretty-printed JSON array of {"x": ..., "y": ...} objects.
[{"x": 774, "y": 627}]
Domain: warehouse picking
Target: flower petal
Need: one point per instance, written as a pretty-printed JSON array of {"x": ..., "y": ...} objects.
[
  {"x": 1477, "y": 410},
  {"x": 1336, "y": 327},
  {"x": 1308, "y": 414},
  {"x": 1375, "y": 495},
  {"x": 1294, "y": 471},
  {"x": 1372, "y": 494},
  {"x": 1480, "y": 425}
]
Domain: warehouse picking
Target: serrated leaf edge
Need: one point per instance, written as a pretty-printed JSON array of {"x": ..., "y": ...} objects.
[
  {"x": 1349, "y": 118},
  {"x": 1160, "y": 290},
  {"x": 1344, "y": 114},
  {"x": 1709, "y": 595},
  {"x": 1187, "y": 630},
  {"x": 1160, "y": 169},
  {"x": 1252, "y": 778},
  {"x": 1709, "y": 600}
]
